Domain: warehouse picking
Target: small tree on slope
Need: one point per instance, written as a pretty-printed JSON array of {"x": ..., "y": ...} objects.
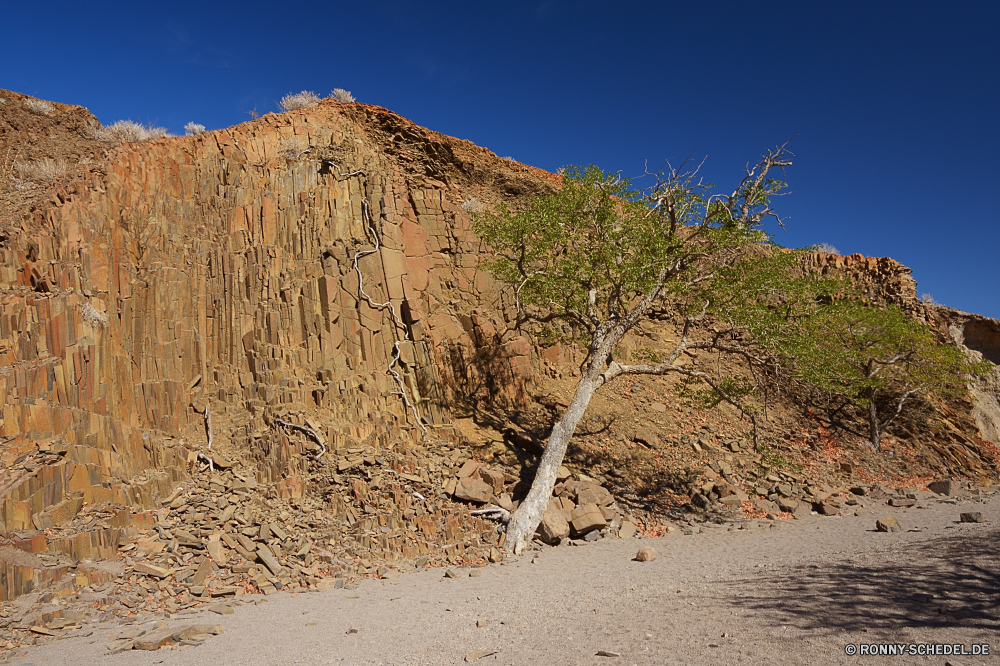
[
  {"x": 875, "y": 358},
  {"x": 602, "y": 256}
]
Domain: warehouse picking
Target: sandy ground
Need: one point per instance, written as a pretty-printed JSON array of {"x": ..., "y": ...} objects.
[{"x": 797, "y": 592}]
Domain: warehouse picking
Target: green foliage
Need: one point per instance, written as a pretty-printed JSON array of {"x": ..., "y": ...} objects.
[
  {"x": 874, "y": 357},
  {"x": 699, "y": 395},
  {"x": 601, "y": 238}
]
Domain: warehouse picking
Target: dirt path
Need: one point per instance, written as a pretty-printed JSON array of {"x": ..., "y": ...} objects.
[{"x": 793, "y": 593}]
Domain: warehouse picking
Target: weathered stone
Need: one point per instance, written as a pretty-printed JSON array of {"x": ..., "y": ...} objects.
[
  {"x": 829, "y": 508},
  {"x": 217, "y": 552},
  {"x": 204, "y": 569},
  {"x": 627, "y": 530},
  {"x": 888, "y": 524},
  {"x": 592, "y": 493},
  {"x": 766, "y": 506},
  {"x": 971, "y": 517},
  {"x": 267, "y": 559},
  {"x": 901, "y": 502},
  {"x": 647, "y": 437},
  {"x": 472, "y": 489},
  {"x": 155, "y": 640},
  {"x": 193, "y": 630},
  {"x": 151, "y": 570},
  {"x": 492, "y": 478},
  {"x": 586, "y": 518},
  {"x": 787, "y": 505},
  {"x": 943, "y": 487},
  {"x": 646, "y": 554},
  {"x": 553, "y": 526},
  {"x": 473, "y": 655}
]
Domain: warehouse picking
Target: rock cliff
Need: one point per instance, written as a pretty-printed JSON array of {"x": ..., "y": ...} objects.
[{"x": 287, "y": 300}]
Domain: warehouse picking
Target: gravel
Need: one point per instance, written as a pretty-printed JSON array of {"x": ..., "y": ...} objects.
[{"x": 791, "y": 592}]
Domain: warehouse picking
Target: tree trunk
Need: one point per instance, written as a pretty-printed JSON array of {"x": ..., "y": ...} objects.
[
  {"x": 529, "y": 513},
  {"x": 873, "y": 429}
]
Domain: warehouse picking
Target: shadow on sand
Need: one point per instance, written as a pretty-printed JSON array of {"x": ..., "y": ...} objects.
[{"x": 953, "y": 581}]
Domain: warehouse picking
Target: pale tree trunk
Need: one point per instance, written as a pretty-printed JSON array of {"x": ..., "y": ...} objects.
[{"x": 529, "y": 513}]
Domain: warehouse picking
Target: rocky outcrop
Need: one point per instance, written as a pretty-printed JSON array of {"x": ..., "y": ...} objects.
[
  {"x": 253, "y": 343},
  {"x": 280, "y": 270},
  {"x": 880, "y": 278},
  {"x": 981, "y": 336}
]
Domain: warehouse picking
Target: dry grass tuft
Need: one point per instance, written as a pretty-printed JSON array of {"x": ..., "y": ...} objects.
[
  {"x": 302, "y": 100},
  {"x": 342, "y": 96},
  {"x": 39, "y": 107},
  {"x": 127, "y": 130},
  {"x": 473, "y": 205},
  {"x": 93, "y": 317},
  {"x": 41, "y": 171},
  {"x": 194, "y": 128},
  {"x": 292, "y": 149}
]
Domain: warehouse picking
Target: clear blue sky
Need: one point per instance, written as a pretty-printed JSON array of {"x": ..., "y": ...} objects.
[{"x": 896, "y": 106}]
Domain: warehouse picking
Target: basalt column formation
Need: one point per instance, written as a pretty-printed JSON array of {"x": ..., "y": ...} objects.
[{"x": 270, "y": 272}]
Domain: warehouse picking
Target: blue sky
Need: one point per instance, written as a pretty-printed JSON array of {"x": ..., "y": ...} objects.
[{"x": 895, "y": 106}]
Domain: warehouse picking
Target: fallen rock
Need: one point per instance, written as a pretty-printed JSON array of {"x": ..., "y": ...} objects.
[
  {"x": 627, "y": 530},
  {"x": 553, "y": 526},
  {"x": 901, "y": 502},
  {"x": 587, "y": 518},
  {"x": 971, "y": 517},
  {"x": 829, "y": 508},
  {"x": 787, "y": 505},
  {"x": 472, "y": 489},
  {"x": 646, "y": 554},
  {"x": 647, "y": 437},
  {"x": 151, "y": 570},
  {"x": 195, "y": 630},
  {"x": 473, "y": 655},
  {"x": 154, "y": 641},
  {"x": 943, "y": 487},
  {"x": 888, "y": 524}
]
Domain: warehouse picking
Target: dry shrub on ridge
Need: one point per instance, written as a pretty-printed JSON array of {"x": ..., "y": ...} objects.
[
  {"x": 302, "y": 100},
  {"x": 127, "y": 130}
]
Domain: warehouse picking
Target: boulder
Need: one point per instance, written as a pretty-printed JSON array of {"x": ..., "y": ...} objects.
[
  {"x": 943, "y": 487},
  {"x": 472, "y": 489},
  {"x": 553, "y": 526},
  {"x": 493, "y": 478},
  {"x": 888, "y": 524},
  {"x": 627, "y": 530},
  {"x": 829, "y": 508},
  {"x": 971, "y": 517},
  {"x": 787, "y": 505},
  {"x": 647, "y": 437},
  {"x": 767, "y": 506},
  {"x": 592, "y": 493},
  {"x": 646, "y": 554},
  {"x": 586, "y": 518}
]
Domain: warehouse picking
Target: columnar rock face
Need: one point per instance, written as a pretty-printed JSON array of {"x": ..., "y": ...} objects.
[
  {"x": 881, "y": 278},
  {"x": 272, "y": 270},
  {"x": 294, "y": 301}
]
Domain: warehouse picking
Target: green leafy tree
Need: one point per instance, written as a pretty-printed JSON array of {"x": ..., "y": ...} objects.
[
  {"x": 876, "y": 358},
  {"x": 602, "y": 255}
]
